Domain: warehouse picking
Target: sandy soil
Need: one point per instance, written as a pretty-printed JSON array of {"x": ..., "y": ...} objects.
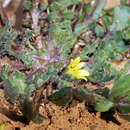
[{"x": 76, "y": 117}]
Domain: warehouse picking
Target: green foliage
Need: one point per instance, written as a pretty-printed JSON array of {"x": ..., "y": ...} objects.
[
  {"x": 62, "y": 97},
  {"x": 62, "y": 4},
  {"x": 15, "y": 88},
  {"x": 127, "y": 34},
  {"x": 65, "y": 95},
  {"x": 61, "y": 33},
  {"x": 102, "y": 70},
  {"x": 121, "y": 88},
  {"x": 4, "y": 72},
  {"x": 7, "y": 37},
  {"x": 88, "y": 50},
  {"x": 26, "y": 57},
  {"x": 121, "y": 17},
  {"x": 27, "y": 5},
  {"x": 43, "y": 6}
]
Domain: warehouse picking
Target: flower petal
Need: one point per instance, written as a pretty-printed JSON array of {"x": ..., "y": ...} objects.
[
  {"x": 84, "y": 73},
  {"x": 80, "y": 65},
  {"x": 75, "y": 61}
]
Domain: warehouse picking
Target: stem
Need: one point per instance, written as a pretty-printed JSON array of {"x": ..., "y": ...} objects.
[
  {"x": 99, "y": 6},
  {"x": 94, "y": 16},
  {"x": 96, "y": 13}
]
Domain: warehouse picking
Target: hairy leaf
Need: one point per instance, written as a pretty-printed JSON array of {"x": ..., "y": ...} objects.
[
  {"x": 121, "y": 17},
  {"x": 63, "y": 97},
  {"x": 121, "y": 88},
  {"x": 14, "y": 86}
]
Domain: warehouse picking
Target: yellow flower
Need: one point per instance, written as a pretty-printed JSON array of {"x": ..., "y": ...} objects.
[{"x": 75, "y": 69}]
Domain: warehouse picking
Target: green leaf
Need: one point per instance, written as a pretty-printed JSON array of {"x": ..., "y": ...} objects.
[
  {"x": 66, "y": 49},
  {"x": 62, "y": 4},
  {"x": 123, "y": 71},
  {"x": 43, "y": 6},
  {"x": 88, "y": 50},
  {"x": 27, "y": 5},
  {"x": 63, "y": 97},
  {"x": 61, "y": 33},
  {"x": 107, "y": 20},
  {"x": 50, "y": 70},
  {"x": 7, "y": 37},
  {"x": 121, "y": 17},
  {"x": 56, "y": 6},
  {"x": 79, "y": 28},
  {"x": 26, "y": 57},
  {"x": 103, "y": 106},
  {"x": 105, "y": 92},
  {"x": 40, "y": 79},
  {"x": 99, "y": 31},
  {"x": 67, "y": 15},
  {"x": 126, "y": 34},
  {"x": 4, "y": 72},
  {"x": 83, "y": 94},
  {"x": 100, "y": 103},
  {"x": 14, "y": 86},
  {"x": 61, "y": 83},
  {"x": 29, "y": 111},
  {"x": 124, "y": 111},
  {"x": 121, "y": 88}
]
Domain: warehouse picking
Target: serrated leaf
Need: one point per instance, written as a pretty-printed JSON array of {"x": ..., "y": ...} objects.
[
  {"x": 14, "y": 87},
  {"x": 63, "y": 97}
]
